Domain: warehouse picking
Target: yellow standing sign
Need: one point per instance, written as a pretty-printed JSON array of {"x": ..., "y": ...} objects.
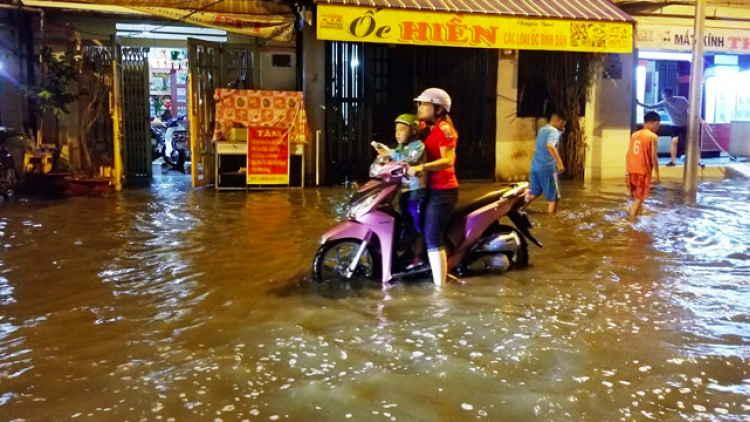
[{"x": 397, "y": 26}]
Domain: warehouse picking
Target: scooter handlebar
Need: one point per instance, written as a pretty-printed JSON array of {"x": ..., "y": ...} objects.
[{"x": 402, "y": 171}]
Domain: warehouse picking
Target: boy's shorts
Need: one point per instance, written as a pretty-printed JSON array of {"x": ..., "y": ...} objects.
[
  {"x": 544, "y": 181},
  {"x": 412, "y": 206},
  {"x": 640, "y": 185}
]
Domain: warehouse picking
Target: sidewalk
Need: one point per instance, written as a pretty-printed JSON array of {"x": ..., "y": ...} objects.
[{"x": 715, "y": 168}]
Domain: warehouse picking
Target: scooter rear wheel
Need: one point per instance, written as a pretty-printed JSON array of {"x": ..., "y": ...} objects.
[
  {"x": 521, "y": 258},
  {"x": 333, "y": 259}
]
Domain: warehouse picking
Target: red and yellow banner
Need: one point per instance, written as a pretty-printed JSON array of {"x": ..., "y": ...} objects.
[
  {"x": 397, "y": 26},
  {"x": 265, "y": 19},
  {"x": 267, "y": 156},
  {"x": 238, "y": 108},
  {"x": 274, "y": 27}
]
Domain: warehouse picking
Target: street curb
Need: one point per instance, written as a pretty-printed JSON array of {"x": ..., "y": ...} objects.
[{"x": 739, "y": 170}]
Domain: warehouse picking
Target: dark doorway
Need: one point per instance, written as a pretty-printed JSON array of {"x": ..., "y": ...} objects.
[{"x": 368, "y": 85}]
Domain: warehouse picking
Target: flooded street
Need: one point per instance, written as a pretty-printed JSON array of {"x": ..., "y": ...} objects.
[{"x": 171, "y": 304}]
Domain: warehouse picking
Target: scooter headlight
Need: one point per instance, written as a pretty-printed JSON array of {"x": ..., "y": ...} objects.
[
  {"x": 359, "y": 208},
  {"x": 374, "y": 169}
]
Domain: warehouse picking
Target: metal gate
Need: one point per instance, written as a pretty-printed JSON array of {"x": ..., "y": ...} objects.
[
  {"x": 204, "y": 64},
  {"x": 470, "y": 77},
  {"x": 236, "y": 67},
  {"x": 97, "y": 143},
  {"x": 137, "y": 140},
  {"x": 211, "y": 66},
  {"x": 368, "y": 85},
  {"x": 348, "y": 113}
]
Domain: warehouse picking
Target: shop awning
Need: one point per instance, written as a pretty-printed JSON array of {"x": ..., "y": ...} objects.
[
  {"x": 566, "y": 25},
  {"x": 261, "y": 18},
  {"x": 595, "y": 10}
]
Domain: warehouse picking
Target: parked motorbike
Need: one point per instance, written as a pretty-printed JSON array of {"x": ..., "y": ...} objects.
[
  {"x": 370, "y": 242},
  {"x": 171, "y": 142},
  {"x": 158, "y": 128},
  {"x": 8, "y": 175}
]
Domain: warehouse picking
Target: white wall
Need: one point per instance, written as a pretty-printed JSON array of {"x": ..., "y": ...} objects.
[
  {"x": 607, "y": 126},
  {"x": 514, "y": 135}
]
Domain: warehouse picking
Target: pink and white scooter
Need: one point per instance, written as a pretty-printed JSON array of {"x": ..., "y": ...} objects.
[{"x": 369, "y": 242}]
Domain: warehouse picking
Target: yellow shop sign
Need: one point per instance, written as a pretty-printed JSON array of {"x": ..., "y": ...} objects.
[{"x": 397, "y": 26}]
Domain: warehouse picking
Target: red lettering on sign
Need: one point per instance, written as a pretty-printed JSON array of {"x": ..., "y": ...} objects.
[
  {"x": 456, "y": 31},
  {"x": 414, "y": 31},
  {"x": 487, "y": 35},
  {"x": 437, "y": 32},
  {"x": 268, "y": 152}
]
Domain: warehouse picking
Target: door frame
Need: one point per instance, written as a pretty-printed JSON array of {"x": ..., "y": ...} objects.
[
  {"x": 202, "y": 79},
  {"x": 116, "y": 108}
]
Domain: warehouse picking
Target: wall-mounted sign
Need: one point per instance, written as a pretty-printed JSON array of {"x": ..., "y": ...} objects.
[
  {"x": 659, "y": 36},
  {"x": 268, "y": 156},
  {"x": 397, "y": 26}
]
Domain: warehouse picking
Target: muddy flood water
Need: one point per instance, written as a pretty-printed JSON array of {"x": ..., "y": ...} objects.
[{"x": 168, "y": 304}]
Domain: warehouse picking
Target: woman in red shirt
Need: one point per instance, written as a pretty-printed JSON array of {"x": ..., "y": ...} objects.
[{"x": 440, "y": 147}]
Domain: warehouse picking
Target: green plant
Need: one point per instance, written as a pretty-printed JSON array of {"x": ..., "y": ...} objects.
[
  {"x": 569, "y": 78},
  {"x": 52, "y": 95}
]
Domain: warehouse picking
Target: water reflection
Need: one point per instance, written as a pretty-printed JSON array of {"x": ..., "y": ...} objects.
[{"x": 175, "y": 304}]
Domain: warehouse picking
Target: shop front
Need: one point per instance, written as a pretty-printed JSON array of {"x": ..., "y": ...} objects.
[
  {"x": 664, "y": 61},
  {"x": 381, "y": 54},
  {"x": 168, "y": 60}
]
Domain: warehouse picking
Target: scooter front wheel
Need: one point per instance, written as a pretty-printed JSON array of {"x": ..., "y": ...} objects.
[{"x": 333, "y": 260}]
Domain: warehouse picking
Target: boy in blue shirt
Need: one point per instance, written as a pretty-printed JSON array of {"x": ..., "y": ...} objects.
[
  {"x": 413, "y": 195},
  {"x": 547, "y": 164}
]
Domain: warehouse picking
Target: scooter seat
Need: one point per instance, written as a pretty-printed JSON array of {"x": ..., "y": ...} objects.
[{"x": 472, "y": 201}]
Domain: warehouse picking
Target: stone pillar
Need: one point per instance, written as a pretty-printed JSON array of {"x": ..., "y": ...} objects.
[
  {"x": 514, "y": 135},
  {"x": 607, "y": 125},
  {"x": 313, "y": 82}
]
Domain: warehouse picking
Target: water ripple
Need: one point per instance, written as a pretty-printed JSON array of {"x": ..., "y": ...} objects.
[{"x": 174, "y": 304}]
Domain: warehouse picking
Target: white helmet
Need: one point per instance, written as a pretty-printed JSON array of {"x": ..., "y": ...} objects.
[{"x": 435, "y": 96}]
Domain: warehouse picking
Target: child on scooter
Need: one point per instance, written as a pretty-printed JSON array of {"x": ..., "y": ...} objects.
[{"x": 413, "y": 195}]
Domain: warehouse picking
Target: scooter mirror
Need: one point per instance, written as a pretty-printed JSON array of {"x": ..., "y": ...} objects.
[
  {"x": 399, "y": 172},
  {"x": 383, "y": 159}
]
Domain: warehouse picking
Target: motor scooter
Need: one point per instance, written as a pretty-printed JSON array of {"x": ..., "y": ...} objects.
[
  {"x": 368, "y": 244},
  {"x": 171, "y": 142}
]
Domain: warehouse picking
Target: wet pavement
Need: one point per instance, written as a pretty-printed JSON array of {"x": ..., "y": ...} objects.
[{"x": 168, "y": 304}]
